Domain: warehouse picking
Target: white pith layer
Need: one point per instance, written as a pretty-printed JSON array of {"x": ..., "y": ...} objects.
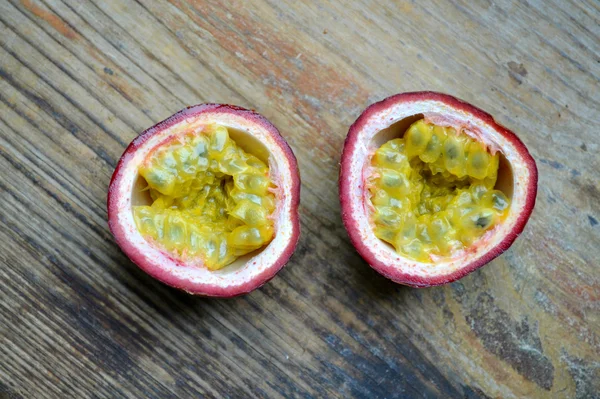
[
  {"x": 246, "y": 268},
  {"x": 440, "y": 113}
]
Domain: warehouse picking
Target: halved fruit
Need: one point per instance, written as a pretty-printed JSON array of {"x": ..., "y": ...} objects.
[
  {"x": 432, "y": 188},
  {"x": 207, "y": 200}
]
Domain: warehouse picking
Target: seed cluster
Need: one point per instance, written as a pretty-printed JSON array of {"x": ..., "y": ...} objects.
[
  {"x": 211, "y": 199},
  {"x": 433, "y": 192}
]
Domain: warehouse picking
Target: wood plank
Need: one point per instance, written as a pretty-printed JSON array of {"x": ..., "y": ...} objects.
[{"x": 79, "y": 80}]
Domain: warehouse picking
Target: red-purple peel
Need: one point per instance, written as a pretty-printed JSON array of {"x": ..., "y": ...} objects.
[
  {"x": 443, "y": 109},
  {"x": 237, "y": 279}
]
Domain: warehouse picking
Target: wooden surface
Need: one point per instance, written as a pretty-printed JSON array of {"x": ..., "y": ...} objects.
[{"x": 79, "y": 80}]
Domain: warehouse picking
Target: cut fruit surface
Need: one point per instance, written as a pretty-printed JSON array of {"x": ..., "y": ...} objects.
[
  {"x": 432, "y": 192},
  {"x": 432, "y": 188},
  {"x": 207, "y": 200},
  {"x": 211, "y": 199}
]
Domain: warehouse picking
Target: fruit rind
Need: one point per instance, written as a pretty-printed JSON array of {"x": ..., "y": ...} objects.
[
  {"x": 191, "y": 278},
  {"x": 440, "y": 109}
]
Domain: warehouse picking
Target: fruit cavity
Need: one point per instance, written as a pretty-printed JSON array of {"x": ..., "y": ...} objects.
[
  {"x": 209, "y": 198},
  {"x": 432, "y": 192}
]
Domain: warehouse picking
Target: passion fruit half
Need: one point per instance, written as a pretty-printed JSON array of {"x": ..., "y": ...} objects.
[
  {"x": 432, "y": 188},
  {"x": 207, "y": 200}
]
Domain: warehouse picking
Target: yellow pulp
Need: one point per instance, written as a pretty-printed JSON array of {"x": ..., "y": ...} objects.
[
  {"x": 211, "y": 199},
  {"x": 433, "y": 192}
]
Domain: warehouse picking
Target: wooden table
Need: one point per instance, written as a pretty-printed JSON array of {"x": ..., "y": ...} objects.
[{"x": 80, "y": 79}]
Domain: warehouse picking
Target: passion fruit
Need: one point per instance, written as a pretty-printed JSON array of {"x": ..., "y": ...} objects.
[
  {"x": 432, "y": 188},
  {"x": 207, "y": 200}
]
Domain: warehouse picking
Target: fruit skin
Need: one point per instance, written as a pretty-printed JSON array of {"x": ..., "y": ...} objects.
[
  {"x": 164, "y": 271},
  {"x": 397, "y": 270}
]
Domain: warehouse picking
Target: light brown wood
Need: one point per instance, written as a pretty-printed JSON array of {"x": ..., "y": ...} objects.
[{"x": 80, "y": 79}]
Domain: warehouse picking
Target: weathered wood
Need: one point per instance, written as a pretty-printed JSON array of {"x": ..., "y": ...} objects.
[{"x": 79, "y": 80}]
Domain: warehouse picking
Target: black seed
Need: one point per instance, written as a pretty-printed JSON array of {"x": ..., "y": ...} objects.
[
  {"x": 499, "y": 202},
  {"x": 393, "y": 157},
  {"x": 416, "y": 138},
  {"x": 483, "y": 222},
  {"x": 452, "y": 151},
  {"x": 393, "y": 181},
  {"x": 432, "y": 143},
  {"x": 478, "y": 161}
]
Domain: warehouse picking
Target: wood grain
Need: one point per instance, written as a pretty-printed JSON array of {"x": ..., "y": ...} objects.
[{"x": 80, "y": 79}]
